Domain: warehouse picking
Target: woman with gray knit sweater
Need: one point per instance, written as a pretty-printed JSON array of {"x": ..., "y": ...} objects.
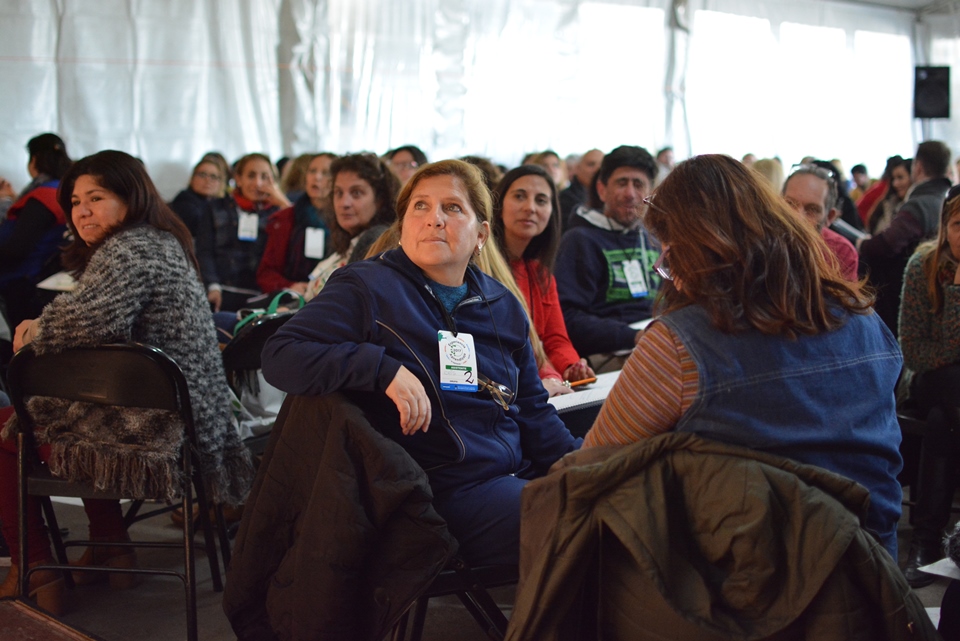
[
  {"x": 138, "y": 280},
  {"x": 930, "y": 340}
]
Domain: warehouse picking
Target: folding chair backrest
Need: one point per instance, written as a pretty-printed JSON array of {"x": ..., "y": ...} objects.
[
  {"x": 243, "y": 352},
  {"x": 128, "y": 375}
]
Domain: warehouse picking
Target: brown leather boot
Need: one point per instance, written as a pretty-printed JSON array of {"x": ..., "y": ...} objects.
[
  {"x": 46, "y": 587},
  {"x": 107, "y": 557}
]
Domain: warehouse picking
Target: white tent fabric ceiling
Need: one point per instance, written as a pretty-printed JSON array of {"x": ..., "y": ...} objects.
[
  {"x": 168, "y": 80},
  {"x": 918, "y": 6}
]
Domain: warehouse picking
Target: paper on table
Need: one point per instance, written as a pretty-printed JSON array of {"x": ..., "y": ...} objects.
[
  {"x": 593, "y": 394},
  {"x": 944, "y": 567},
  {"x": 641, "y": 324}
]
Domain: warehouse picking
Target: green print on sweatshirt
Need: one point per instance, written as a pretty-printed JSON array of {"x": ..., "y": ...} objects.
[{"x": 617, "y": 288}]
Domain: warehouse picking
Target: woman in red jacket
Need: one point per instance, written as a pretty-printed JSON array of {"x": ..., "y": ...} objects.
[
  {"x": 298, "y": 237},
  {"x": 526, "y": 225}
]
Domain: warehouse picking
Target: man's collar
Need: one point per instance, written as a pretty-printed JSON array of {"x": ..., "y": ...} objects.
[
  {"x": 599, "y": 219},
  {"x": 913, "y": 187},
  {"x": 618, "y": 227}
]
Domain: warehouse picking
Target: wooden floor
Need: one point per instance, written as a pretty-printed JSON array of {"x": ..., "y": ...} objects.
[{"x": 154, "y": 611}]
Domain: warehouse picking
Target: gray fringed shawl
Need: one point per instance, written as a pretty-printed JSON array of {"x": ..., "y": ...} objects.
[{"x": 139, "y": 286}]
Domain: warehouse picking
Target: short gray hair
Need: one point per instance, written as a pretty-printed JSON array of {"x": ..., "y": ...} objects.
[{"x": 821, "y": 173}]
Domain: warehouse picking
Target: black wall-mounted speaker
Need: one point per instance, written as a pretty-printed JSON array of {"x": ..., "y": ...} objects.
[{"x": 931, "y": 92}]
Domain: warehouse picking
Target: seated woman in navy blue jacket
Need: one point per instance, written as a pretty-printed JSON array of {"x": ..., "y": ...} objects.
[
  {"x": 437, "y": 354},
  {"x": 30, "y": 239}
]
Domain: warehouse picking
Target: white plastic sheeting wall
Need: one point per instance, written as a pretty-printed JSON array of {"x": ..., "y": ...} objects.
[
  {"x": 170, "y": 79},
  {"x": 823, "y": 79},
  {"x": 941, "y": 37}
]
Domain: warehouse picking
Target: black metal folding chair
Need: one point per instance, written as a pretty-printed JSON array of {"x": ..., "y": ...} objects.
[
  {"x": 128, "y": 375},
  {"x": 241, "y": 361},
  {"x": 470, "y": 585}
]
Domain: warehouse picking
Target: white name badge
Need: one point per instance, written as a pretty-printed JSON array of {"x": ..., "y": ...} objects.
[
  {"x": 314, "y": 242},
  {"x": 458, "y": 362},
  {"x": 247, "y": 226},
  {"x": 635, "y": 278}
]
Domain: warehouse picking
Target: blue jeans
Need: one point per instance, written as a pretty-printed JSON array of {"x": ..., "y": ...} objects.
[{"x": 485, "y": 519}]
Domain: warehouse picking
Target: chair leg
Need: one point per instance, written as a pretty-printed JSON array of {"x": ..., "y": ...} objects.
[
  {"x": 485, "y": 612},
  {"x": 22, "y": 511},
  {"x": 225, "y": 551},
  {"x": 189, "y": 563},
  {"x": 209, "y": 542},
  {"x": 419, "y": 616},
  {"x": 131, "y": 516},
  {"x": 54, "y": 528},
  {"x": 479, "y": 603},
  {"x": 400, "y": 627}
]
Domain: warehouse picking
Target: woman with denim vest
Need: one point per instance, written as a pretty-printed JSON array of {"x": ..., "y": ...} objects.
[{"x": 760, "y": 341}]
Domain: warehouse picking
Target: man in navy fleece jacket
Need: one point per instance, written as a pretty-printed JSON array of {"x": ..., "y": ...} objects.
[{"x": 605, "y": 274}]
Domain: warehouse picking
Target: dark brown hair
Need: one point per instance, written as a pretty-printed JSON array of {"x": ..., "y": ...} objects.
[
  {"x": 936, "y": 253},
  {"x": 385, "y": 186},
  {"x": 49, "y": 155},
  {"x": 934, "y": 156},
  {"x": 125, "y": 176},
  {"x": 418, "y": 156},
  {"x": 741, "y": 253},
  {"x": 542, "y": 248},
  {"x": 240, "y": 164}
]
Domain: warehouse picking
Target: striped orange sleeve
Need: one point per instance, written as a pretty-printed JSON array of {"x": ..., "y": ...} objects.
[{"x": 657, "y": 385}]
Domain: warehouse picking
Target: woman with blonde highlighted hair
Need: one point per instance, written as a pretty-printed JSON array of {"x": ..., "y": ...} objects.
[
  {"x": 772, "y": 170},
  {"x": 760, "y": 341},
  {"x": 438, "y": 355}
]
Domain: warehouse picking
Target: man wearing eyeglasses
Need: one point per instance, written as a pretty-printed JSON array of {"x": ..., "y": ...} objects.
[
  {"x": 605, "y": 266},
  {"x": 887, "y": 253},
  {"x": 812, "y": 192}
]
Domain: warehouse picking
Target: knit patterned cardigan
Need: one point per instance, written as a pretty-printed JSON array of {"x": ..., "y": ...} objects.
[
  {"x": 929, "y": 341},
  {"x": 139, "y": 286}
]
